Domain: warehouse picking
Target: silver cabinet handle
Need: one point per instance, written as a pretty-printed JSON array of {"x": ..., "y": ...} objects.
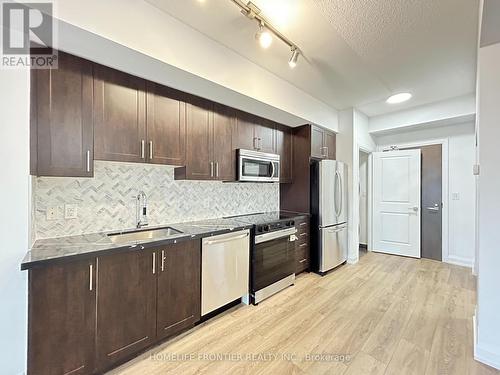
[
  {"x": 303, "y": 260},
  {"x": 142, "y": 149},
  {"x": 88, "y": 160},
  {"x": 162, "y": 260},
  {"x": 260, "y": 143},
  {"x": 302, "y": 245},
  {"x": 91, "y": 274},
  {"x": 217, "y": 169},
  {"x": 154, "y": 262},
  {"x": 327, "y": 151},
  {"x": 302, "y": 224},
  {"x": 211, "y": 169},
  {"x": 150, "y": 150}
]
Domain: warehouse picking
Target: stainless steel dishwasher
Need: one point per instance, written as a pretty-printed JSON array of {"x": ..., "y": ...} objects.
[{"x": 225, "y": 264}]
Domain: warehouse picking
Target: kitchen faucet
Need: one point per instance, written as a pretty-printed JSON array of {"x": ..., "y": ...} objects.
[{"x": 141, "y": 209}]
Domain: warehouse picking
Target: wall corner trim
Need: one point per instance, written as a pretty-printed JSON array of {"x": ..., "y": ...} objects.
[{"x": 483, "y": 353}]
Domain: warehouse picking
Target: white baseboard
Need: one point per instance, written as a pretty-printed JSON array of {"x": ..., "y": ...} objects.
[
  {"x": 482, "y": 353},
  {"x": 459, "y": 261}
]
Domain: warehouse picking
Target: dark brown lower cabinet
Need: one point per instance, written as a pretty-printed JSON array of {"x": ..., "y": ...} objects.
[
  {"x": 302, "y": 255},
  {"x": 179, "y": 296},
  {"x": 126, "y": 305},
  {"x": 61, "y": 319}
]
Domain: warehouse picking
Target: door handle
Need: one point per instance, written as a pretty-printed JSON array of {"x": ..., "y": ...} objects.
[
  {"x": 435, "y": 208},
  {"x": 414, "y": 208}
]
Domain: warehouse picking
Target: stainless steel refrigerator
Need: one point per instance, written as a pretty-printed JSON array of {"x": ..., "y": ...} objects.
[{"x": 329, "y": 214}]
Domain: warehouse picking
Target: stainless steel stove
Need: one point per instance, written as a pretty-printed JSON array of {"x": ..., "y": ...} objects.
[{"x": 272, "y": 253}]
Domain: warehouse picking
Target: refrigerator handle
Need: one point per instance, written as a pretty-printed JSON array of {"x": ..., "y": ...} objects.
[
  {"x": 341, "y": 185},
  {"x": 337, "y": 193}
]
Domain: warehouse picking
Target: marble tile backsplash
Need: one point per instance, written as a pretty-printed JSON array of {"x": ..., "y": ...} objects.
[{"x": 107, "y": 201}]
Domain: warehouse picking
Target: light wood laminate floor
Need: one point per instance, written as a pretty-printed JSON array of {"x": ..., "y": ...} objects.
[{"x": 384, "y": 315}]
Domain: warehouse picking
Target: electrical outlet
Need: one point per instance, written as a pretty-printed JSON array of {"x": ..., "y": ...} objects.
[
  {"x": 52, "y": 213},
  {"x": 70, "y": 211}
]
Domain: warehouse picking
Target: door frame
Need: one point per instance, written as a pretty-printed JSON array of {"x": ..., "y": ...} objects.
[{"x": 445, "y": 181}]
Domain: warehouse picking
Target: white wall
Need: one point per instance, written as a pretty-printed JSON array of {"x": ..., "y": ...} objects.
[
  {"x": 14, "y": 217},
  {"x": 173, "y": 49},
  {"x": 487, "y": 347},
  {"x": 461, "y": 158},
  {"x": 446, "y": 112},
  {"x": 353, "y": 135}
]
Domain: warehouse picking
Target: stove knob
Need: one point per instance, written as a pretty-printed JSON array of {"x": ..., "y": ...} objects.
[{"x": 266, "y": 228}]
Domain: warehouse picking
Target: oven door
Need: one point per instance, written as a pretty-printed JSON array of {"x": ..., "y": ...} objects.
[
  {"x": 273, "y": 259},
  {"x": 252, "y": 168}
]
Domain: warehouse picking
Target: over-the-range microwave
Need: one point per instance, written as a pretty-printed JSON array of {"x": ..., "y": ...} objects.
[{"x": 256, "y": 166}]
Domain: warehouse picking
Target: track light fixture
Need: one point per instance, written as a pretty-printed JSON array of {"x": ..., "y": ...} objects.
[
  {"x": 264, "y": 36},
  {"x": 293, "y": 59},
  {"x": 267, "y": 30}
]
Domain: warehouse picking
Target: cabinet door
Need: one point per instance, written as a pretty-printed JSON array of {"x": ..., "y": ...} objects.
[
  {"x": 61, "y": 319},
  {"x": 179, "y": 295},
  {"x": 126, "y": 305},
  {"x": 317, "y": 150},
  {"x": 199, "y": 158},
  {"x": 266, "y": 136},
  {"x": 223, "y": 154},
  {"x": 284, "y": 149},
  {"x": 329, "y": 139},
  {"x": 166, "y": 125},
  {"x": 119, "y": 116},
  {"x": 244, "y": 132},
  {"x": 62, "y": 118}
]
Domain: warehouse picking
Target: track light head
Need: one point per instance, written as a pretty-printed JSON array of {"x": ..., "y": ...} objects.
[
  {"x": 293, "y": 59},
  {"x": 264, "y": 36}
]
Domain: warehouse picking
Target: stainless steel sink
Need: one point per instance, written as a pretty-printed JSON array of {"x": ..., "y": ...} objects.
[{"x": 143, "y": 235}]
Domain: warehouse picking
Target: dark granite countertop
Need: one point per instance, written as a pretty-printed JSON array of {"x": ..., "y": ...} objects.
[{"x": 52, "y": 250}]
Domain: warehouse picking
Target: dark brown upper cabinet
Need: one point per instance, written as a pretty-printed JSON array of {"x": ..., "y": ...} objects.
[
  {"x": 222, "y": 139},
  {"x": 119, "y": 116},
  {"x": 284, "y": 140},
  {"x": 61, "y": 318},
  {"x": 199, "y": 150},
  {"x": 166, "y": 125},
  {"x": 179, "y": 296},
  {"x": 266, "y": 137},
  {"x": 209, "y": 150},
  {"x": 126, "y": 305},
  {"x": 254, "y": 133},
  {"x": 62, "y": 141},
  {"x": 322, "y": 143}
]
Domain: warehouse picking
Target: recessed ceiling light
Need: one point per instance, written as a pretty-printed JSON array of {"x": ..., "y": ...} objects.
[
  {"x": 264, "y": 37},
  {"x": 399, "y": 98}
]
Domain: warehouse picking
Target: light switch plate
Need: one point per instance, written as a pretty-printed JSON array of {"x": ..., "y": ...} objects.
[
  {"x": 455, "y": 196},
  {"x": 52, "y": 213},
  {"x": 70, "y": 211}
]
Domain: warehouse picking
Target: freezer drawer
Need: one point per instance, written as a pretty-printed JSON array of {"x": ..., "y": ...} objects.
[
  {"x": 333, "y": 247},
  {"x": 225, "y": 264}
]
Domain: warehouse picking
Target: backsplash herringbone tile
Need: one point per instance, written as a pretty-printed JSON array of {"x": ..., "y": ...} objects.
[{"x": 106, "y": 202}]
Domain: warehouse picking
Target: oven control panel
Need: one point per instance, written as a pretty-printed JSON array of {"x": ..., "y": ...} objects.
[{"x": 272, "y": 227}]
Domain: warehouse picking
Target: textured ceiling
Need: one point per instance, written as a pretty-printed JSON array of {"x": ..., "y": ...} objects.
[{"x": 357, "y": 53}]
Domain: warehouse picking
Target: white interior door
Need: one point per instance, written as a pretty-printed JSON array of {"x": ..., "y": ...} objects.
[{"x": 396, "y": 202}]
